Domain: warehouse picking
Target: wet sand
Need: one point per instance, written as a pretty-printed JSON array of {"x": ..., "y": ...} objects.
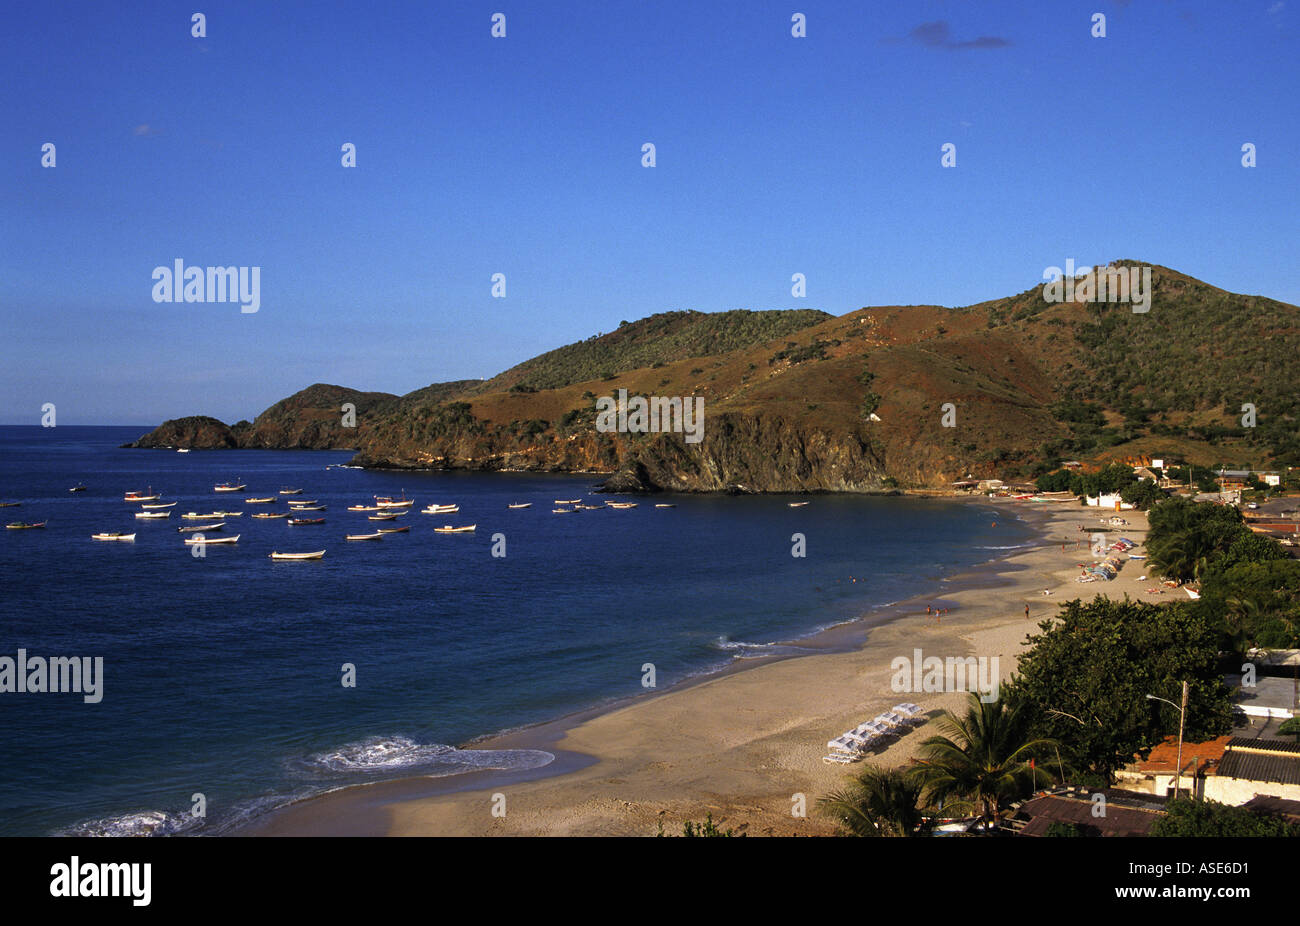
[{"x": 746, "y": 745}]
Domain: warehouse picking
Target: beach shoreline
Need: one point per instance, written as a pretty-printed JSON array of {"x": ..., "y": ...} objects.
[{"x": 743, "y": 743}]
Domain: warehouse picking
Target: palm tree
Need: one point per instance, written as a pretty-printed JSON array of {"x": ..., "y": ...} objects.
[
  {"x": 879, "y": 802},
  {"x": 983, "y": 760},
  {"x": 1239, "y": 614}
]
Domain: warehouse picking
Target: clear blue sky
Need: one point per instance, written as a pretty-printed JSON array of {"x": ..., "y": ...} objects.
[{"x": 522, "y": 156}]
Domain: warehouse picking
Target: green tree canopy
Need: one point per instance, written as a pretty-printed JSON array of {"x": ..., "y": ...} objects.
[
  {"x": 1085, "y": 680},
  {"x": 1188, "y": 817}
]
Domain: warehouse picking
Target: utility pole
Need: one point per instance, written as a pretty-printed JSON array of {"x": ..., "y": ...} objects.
[{"x": 1182, "y": 715}]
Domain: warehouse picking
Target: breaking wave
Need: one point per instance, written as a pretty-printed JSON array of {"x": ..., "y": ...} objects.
[
  {"x": 140, "y": 823},
  {"x": 386, "y": 755}
]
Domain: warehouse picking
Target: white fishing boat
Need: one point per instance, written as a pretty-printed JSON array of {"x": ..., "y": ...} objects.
[
  {"x": 621, "y": 505},
  {"x": 567, "y": 501},
  {"x": 665, "y": 506},
  {"x": 298, "y": 556},
  {"x": 269, "y": 516},
  {"x": 448, "y": 529},
  {"x": 440, "y": 509},
  {"x": 394, "y": 530},
  {"x": 113, "y": 535},
  {"x": 590, "y": 507},
  {"x": 189, "y": 528},
  {"x": 565, "y": 510},
  {"x": 268, "y": 500},
  {"x": 229, "y": 514},
  {"x": 381, "y": 517},
  {"x": 363, "y": 508},
  {"x": 195, "y": 541},
  {"x": 195, "y": 516},
  {"x": 375, "y": 536},
  {"x": 295, "y": 502},
  {"x": 291, "y": 491},
  {"x": 307, "y": 507},
  {"x": 149, "y": 515},
  {"x": 796, "y": 504},
  {"x": 182, "y": 449},
  {"x": 230, "y": 487},
  {"x": 521, "y": 505},
  {"x": 138, "y": 497},
  {"x": 159, "y": 506},
  {"x": 385, "y": 501}
]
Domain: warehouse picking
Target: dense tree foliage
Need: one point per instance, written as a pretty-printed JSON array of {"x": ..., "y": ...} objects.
[
  {"x": 1085, "y": 680},
  {"x": 1188, "y": 817},
  {"x": 1250, "y": 586}
]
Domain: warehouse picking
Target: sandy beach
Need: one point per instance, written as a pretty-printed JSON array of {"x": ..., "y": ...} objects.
[{"x": 745, "y": 745}]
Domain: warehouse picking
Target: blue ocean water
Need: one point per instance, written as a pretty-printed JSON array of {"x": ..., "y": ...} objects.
[{"x": 222, "y": 674}]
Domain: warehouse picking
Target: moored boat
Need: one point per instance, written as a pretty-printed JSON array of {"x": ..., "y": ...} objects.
[
  {"x": 565, "y": 510},
  {"x": 381, "y": 517},
  {"x": 622, "y": 504},
  {"x": 196, "y": 541},
  {"x": 298, "y": 556},
  {"x": 268, "y": 500},
  {"x": 363, "y": 508},
  {"x": 307, "y": 507},
  {"x": 195, "y": 516},
  {"x": 295, "y": 502},
  {"x": 568, "y": 501},
  {"x": 10, "y": 504},
  {"x": 229, "y": 514},
  {"x": 149, "y": 515},
  {"x": 230, "y": 487},
  {"x": 138, "y": 497},
  {"x": 440, "y": 509},
  {"x": 24, "y": 525},
  {"x": 291, "y": 491},
  {"x": 394, "y": 530},
  {"x": 113, "y": 535},
  {"x": 448, "y": 529},
  {"x": 77, "y": 488},
  {"x": 159, "y": 506},
  {"x": 665, "y": 506},
  {"x": 269, "y": 516},
  {"x": 201, "y": 527},
  {"x": 521, "y": 505},
  {"x": 796, "y": 504},
  {"x": 374, "y": 536},
  {"x": 306, "y": 520}
]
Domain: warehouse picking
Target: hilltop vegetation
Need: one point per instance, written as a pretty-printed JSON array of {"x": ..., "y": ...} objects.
[
  {"x": 801, "y": 400},
  {"x": 652, "y": 341}
]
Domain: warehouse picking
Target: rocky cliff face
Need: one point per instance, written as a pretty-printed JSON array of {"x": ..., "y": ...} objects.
[{"x": 737, "y": 453}]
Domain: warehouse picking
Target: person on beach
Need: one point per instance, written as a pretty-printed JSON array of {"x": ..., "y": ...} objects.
[
  {"x": 1026, "y": 612},
  {"x": 927, "y": 609}
]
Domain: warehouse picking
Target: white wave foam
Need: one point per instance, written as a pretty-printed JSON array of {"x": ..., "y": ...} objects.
[
  {"x": 742, "y": 650},
  {"x": 386, "y": 755},
  {"x": 140, "y": 823}
]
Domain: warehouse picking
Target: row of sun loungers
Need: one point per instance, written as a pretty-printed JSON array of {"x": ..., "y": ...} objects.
[{"x": 853, "y": 745}]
